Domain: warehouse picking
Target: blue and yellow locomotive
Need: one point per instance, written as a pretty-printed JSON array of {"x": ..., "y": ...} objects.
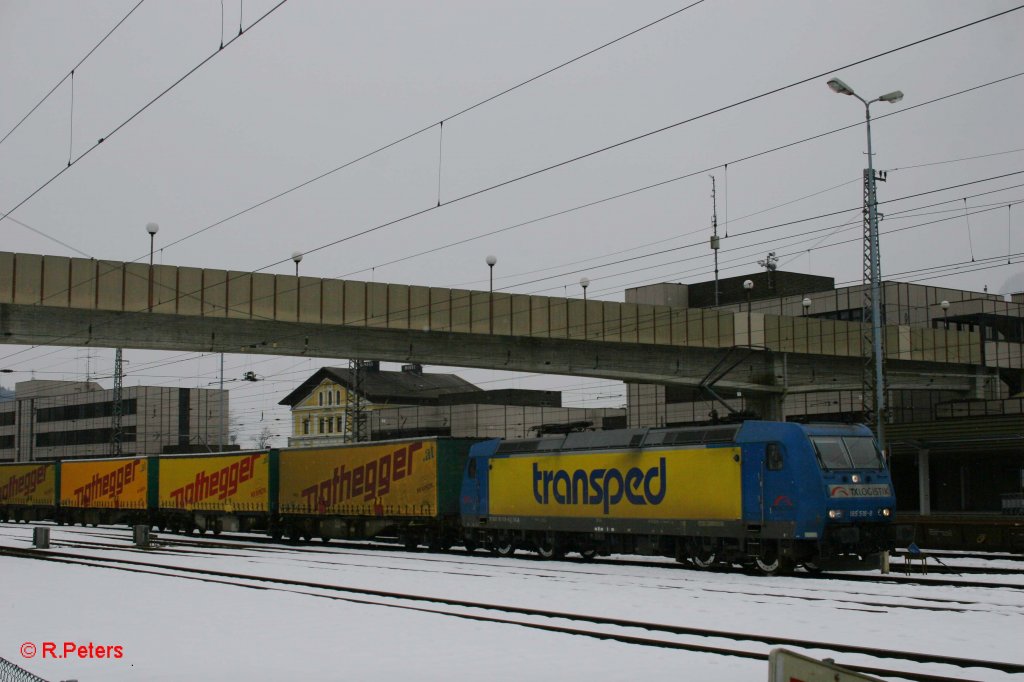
[{"x": 771, "y": 494}]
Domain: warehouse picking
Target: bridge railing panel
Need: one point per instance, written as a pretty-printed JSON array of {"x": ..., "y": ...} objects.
[
  {"x": 644, "y": 323},
  {"x": 377, "y": 305},
  {"x": 479, "y": 312},
  {"x": 82, "y": 281},
  {"x": 190, "y": 294},
  {"x": 558, "y": 318},
  {"x": 109, "y": 285},
  {"x": 593, "y": 324},
  {"x": 310, "y": 299},
  {"x": 355, "y": 303},
  {"x": 28, "y": 278},
  {"x": 286, "y": 304},
  {"x": 539, "y": 316},
  {"x": 628, "y": 322},
  {"x": 136, "y": 287},
  {"x": 460, "y": 311},
  {"x": 239, "y": 294},
  {"x": 440, "y": 309},
  {"x": 263, "y": 296},
  {"x": 56, "y": 270},
  {"x": 502, "y": 314},
  {"x": 419, "y": 308},
  {"x": 519, "y": 306},
  {"x": 611, "y": 321},
  {"x": 575, "y": 319},
  {"x": 398, "y": 306},
  {"x": 165, "y": 289},
  {"x": 6, "y": 277}
]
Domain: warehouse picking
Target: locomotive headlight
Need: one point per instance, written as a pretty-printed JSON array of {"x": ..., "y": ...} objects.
[
  {"x": 885, "y": 511},
  {"x": 835, "y": 513},
  {"x": 855, "y": 478}
]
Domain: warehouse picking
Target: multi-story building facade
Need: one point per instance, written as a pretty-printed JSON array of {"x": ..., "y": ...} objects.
[
  {"x": 62, "y": 419},
  {"x": 414, "y": 403}
]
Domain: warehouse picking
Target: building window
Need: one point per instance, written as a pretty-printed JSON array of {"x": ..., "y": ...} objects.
[
  {"x": 330, "y": 397},
  {"x": 320, "y": 398},
  {"x": 52, "y": 439},
  {"x": 330, "y": 425},
  {"x": 341, "y": 429},
  {"x": 305, "y": 427},
  {"x": 338, "y": 400},
  {"x": 321, "y": 424}
]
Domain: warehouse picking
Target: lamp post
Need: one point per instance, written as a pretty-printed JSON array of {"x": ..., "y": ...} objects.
[
  {"x": 748, "y": 285},
  {"x": 152, "y": 229},
  {"x": 806, "y": 303},
  {"x": 297, "y": 257},
  {"x": 490, "y": 260},
  {"x": 945, "y": 311},
  {"x": 584, "y": 282},
  {"x": 874, "y": 258}
]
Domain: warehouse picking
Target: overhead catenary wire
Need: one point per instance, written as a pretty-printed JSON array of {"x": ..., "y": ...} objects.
[
  {"x": 572, "y": 160},
  {"x": 422, "y": 130},
  {"x": 685, "y": 176},
  {"x": 133, "y": 116},
  {"x": 70, "y": 72}
]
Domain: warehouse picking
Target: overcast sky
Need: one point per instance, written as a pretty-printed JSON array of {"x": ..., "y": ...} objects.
[{"x": 316, "y": 85}]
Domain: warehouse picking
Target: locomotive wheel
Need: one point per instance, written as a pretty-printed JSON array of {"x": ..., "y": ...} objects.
[
  {"x": 504, "y": 547},
  {"x": 588, "y": 554},
  {"x": 703, "y": 558},
  {"x": 812, "y": 568},
  {"x": 775, "y": 565},
  {"x": 470, "y": 546}
]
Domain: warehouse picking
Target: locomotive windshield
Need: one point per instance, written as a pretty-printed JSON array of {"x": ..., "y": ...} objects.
[{"x": 837, "y": 452}]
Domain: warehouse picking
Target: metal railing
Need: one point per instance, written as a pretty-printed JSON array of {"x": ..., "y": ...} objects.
[{"x": 13, "y": 673}]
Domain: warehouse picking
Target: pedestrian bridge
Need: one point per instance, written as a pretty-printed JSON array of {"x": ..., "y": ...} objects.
[{"x": 60, "y": 301}]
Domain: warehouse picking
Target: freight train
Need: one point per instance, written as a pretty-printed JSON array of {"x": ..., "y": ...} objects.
[{"x": 768, "y": 494}]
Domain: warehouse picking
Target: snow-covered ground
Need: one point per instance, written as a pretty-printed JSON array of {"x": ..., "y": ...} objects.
[{"x": 173, "y": 628}]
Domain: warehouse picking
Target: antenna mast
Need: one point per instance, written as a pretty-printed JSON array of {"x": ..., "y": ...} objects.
[{"x": 714, "y": 233}]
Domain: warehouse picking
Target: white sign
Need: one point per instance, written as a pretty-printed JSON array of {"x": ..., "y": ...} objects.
[{"x": 786, "y": 666}]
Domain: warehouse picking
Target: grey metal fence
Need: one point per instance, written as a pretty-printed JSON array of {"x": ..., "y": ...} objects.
[{"x": 13, "y": 673}]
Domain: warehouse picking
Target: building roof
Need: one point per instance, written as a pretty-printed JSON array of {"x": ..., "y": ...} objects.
[{"x": 406, "y": 387}]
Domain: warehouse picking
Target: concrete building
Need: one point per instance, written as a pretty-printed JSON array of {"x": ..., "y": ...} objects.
[
  {"x": 411, "y": 402},
  {"x": 63, "y": 419}
]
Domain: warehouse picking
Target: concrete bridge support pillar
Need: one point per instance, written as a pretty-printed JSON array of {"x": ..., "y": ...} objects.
[{"x": 924, "y": 481}]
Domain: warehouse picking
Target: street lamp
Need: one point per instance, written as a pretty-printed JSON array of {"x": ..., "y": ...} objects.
[
  {"x": 490, "y": 260},
  {"x": 749, "y": 286},
  {"x": 874, "y": 257},
  {"x": 152, "y": 229},
  {"x": 806, "y": 303},
  {"x": 945, "y": 310},
  {"x": 584, "y": 282},
  {"x": 297, "y": 257}
]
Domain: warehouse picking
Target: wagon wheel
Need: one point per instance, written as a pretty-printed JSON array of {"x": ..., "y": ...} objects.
[{"x": 549, "y": 549}]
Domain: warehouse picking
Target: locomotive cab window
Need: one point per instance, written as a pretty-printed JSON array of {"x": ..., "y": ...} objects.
[
  {"x": 835, "y": 452},
  {"x": 773, "y": 457},
  {"x": 863, "y": 453},
  {"x": 831, "y": 452}
]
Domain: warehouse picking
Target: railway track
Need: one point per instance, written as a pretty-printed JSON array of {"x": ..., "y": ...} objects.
[
  {"x": 625, "y": 631},
  {"x": 261, "y": 543}
]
